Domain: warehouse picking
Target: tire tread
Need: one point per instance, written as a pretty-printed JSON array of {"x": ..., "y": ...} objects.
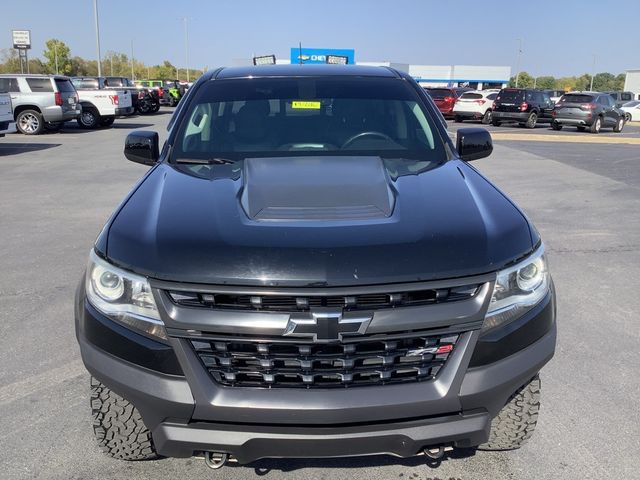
[
  {"x": 118, "y": 426},
  {"x": 517, "y": 420}
]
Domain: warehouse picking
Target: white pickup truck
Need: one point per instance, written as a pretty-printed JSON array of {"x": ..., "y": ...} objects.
[
  {"x": 7, "y": 124},
  {"x": 101, "y": 105}
]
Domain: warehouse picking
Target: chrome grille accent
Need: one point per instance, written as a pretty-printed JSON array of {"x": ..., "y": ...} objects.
[{"x": 240, "y": 362}]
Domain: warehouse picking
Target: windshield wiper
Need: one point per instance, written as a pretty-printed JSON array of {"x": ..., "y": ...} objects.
[{"x": 206, "y": 161}]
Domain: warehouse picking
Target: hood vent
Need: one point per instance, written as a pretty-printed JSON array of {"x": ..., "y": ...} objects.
[{"x": 316, "y": 188}]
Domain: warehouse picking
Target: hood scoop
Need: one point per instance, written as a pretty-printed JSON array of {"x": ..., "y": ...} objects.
[{"x": 316, "y": 188}]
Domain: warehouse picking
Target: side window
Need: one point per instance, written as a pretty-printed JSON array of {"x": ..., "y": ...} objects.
[
  {"x": 40, "y": 84},
  {"x": 9, "y": 85},
  {"x": 545, "y": 97},
  {"x": 492, "y": 96},
  {"x": 626, "y": 96},
  {"x": 530, "y": 97}
]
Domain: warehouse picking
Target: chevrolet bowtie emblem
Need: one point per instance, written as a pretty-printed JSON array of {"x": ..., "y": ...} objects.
[{"x": 326, "y": 325}]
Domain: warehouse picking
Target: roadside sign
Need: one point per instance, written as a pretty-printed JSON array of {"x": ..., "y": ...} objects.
[
  {"x": 21, "y": 39},
  {"x": 265, "y": 60}
]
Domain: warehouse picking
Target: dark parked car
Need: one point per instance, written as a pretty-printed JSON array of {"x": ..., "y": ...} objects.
[
  {"x": 311, "y": 268},
  {"x": 445, "y": 98},
  {"x": 588, "y": 109},
  {"x": 526, "y": 106},
  {"x": 620, "y": 98}
]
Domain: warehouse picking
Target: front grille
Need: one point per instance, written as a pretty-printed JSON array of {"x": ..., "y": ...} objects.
[
  {"x": 240, "y": 362},
  {"x": 289, "y": 303}
]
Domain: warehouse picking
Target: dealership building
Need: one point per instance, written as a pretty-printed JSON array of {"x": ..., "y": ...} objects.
[
  {"x": 632, "y": 82},
  {"x": 474, "y": 76}
]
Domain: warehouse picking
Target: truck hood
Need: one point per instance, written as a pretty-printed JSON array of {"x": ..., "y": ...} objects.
[{"x": 304, "y": 221}]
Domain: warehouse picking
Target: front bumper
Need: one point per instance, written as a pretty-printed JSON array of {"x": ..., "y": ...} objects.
[{"x": 188, "y": 413}]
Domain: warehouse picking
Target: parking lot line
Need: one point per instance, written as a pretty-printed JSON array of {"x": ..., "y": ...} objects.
[{"x": 578, "y": 138}]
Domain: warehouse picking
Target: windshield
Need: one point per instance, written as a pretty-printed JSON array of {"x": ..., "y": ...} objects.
[
  {"x": 236, "y": 119},
  {"x": 85, "y": 83}
]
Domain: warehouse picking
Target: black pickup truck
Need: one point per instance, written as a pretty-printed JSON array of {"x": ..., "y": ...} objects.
[{"x": 312, "y": 268}]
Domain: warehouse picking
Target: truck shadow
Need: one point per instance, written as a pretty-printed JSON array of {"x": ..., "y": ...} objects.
[
  {"x": 266, "y": 466},
  {"x": 7, "y": 149}
]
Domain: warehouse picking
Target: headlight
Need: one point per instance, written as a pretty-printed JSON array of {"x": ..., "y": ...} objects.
[
  {"x": 123, "y": 296},
  {"x": 517, "y": 290}
]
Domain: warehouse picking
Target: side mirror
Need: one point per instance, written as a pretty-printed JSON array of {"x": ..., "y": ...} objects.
[
  {"x": 473, "y": 143},
  {"x": 142, "y": 147}
]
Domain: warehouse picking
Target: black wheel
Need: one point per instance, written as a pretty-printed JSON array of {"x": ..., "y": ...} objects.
[
  {"x": 53, "y": 126},
  {"x": 155, "y": 108},
  {"x": 118, "y": 426},
  {"x": 107, "y": 121},
  {"x": 619, "y": 125},
  {"x": 596, "y": 125},
  {"x": 627, "y": 117},
  {"x": 89, "y": 118},
  {"x": 556, "y": 126},
  {"x": 496, "y": 123},
  {"x": 486, "y": 118},
  {"x": 143, "y": 107},
  {"x": 515, "y": 423},
  {"x": 532, "y": 120},
  {"x": 29, "y": 122},
  {"x": 458, "y": 119},
  {"x": 581, "y": 128}
]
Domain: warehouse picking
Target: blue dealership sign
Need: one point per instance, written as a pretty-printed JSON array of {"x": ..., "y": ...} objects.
[{"x": 319, "y": 55}]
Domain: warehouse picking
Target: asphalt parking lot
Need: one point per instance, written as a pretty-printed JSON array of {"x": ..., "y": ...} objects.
[{"x": 57, "y": 190}]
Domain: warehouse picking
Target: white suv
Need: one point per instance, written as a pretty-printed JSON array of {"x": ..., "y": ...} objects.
[
  {"x": 41, "y": 101},
  {"x": 476, "y": 105}
]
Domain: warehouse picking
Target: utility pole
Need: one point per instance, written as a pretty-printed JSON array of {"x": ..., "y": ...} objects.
[
  {"x": 95, "y": 15},
  {"x": 133, "y": 75},
  {"x": 111, "y": 62},
  {"x": 55, "y": 53},
  {"x": 593, "y": 72},
  {"x": 186, "y": 47},
  {"x": 518, "y": 61}
]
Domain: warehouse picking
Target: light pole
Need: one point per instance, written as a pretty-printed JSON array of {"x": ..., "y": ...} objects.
[
  {"x": 95, "y": 16},
  {"x": 518, "y": 61},
  {"x": 593, "y": 72},
  {"x": 55, "y": 53},
  {"x": 186, "y": 47},
  {"x": 111, "y": 63},
  {"x": 133, "y": 75}
]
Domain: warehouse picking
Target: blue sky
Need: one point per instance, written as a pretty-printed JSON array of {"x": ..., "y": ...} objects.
[{"x": 480, "y": 32}]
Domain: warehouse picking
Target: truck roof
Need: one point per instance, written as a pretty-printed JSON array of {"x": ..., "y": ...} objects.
[{"x": 304, "y": 71}]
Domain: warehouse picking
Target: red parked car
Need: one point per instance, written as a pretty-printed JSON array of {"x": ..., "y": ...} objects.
[{"x": 445, "y": 98}]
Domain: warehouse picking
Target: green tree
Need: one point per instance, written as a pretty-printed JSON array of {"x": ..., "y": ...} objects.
[
  {"x": 546, "y": 82},
  {"x": 619, "y": 82},
  {"x": 524, "y": 80},
  {"x": 10, "y": 61},
  {"x": 604, "y": 82},
  {"x": 57, "y": 52}
]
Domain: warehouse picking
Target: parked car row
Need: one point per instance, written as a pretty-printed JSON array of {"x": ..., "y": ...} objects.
[
  {"x": 528, "y": 107},
  {"x": 36, "y": 103}
]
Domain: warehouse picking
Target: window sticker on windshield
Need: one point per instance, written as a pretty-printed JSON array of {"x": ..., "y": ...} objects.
[{"x": 305, "y": 104}]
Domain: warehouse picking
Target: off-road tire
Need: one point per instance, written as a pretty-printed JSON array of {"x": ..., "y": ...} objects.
[
  {"x": 517, "y": 420},
  {"x": 118, "y": 426},
  {"x": 532, "y": 120}
]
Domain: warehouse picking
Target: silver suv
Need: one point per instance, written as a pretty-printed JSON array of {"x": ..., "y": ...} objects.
[{"x": 41, "y": 101}]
